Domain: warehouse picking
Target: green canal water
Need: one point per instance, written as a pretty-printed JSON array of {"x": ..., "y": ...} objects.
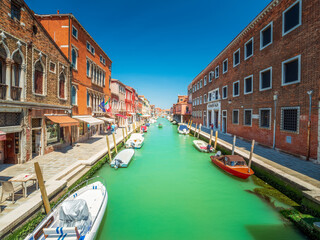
[{"x": 172, "y": 191}]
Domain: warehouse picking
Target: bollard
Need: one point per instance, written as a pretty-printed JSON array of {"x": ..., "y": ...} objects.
[
  {"x": 250, "y": 156},
  {"x": 211, "y": 133},
  {"x": 42, "y": 188},
  {"x": 234, "y": 144},
  {"x": 216, "y": 141},
  {"x": 115, "y": 143},
  {"x": 124, "y": 137},
  {"x": 195, "y": 130},
  {"x": 109, "y": 152}
]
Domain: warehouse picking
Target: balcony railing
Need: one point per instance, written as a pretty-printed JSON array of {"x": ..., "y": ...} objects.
[
  {"x": 16, "y": 93},
  {"x": 3, "y": 91}
]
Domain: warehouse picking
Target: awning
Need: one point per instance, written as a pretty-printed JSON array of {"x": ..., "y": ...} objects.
[
  {"x": 3, "y": 136},
  {"x": 63, "y": 121},
  {"x": 139, "y": 114},
  {"x": 119, "y": 115},
  {"x": 89, "y": 119},
  {"x": 109, "y": 120},
  {"x": 132, "y": 113},
  {"x": 146, "y": 115}
]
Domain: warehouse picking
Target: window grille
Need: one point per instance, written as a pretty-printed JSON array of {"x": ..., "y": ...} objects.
[
  {"x": 265, "y": 117},
  {"x": 248, "y": 117},
  {"x": 36, "y": 122},
  {"x": 235, "y": 117},
  {"x": 290, "y": 119},
  {"x": 10, "y": 119}
]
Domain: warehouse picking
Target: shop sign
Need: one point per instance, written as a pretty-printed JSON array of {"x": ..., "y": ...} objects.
[
  {"x": 255, "y": 116},
  {"x": 213, "y": 105}
]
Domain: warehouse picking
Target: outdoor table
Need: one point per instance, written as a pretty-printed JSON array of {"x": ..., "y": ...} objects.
[{"x": 24, "y": 178}]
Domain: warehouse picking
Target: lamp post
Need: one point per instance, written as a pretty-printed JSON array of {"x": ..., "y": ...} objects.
[{"x": 275, "y": 99}]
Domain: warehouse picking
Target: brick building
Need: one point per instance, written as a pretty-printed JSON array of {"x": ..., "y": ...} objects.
[
  {"x": 34, "y": 87},
  {"x": 91, "y": 71},
  {"x": 258, "y": 87}
]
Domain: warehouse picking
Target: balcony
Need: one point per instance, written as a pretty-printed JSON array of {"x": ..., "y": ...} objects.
[
  {"x": 16, "y": 93},
  {"x": 3, "y": 91}
]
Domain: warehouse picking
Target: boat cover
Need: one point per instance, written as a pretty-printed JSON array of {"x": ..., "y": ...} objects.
[
  {"x": 181, "y": 127},
  {"x": 75, "y": 213}
]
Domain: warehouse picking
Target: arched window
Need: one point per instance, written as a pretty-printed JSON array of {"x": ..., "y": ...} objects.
[
  {"x": 73, "y": 95},
  {"x": 16, "y": 69},
  {"x": 62, "y": 83},
  {"x": 3, "y": 56},
  {"x": 74, "y": 56},
  {"x": 38, "y": 78},
  {"x": 88, "y": 68},
  {"x": 88, "y": 99}
]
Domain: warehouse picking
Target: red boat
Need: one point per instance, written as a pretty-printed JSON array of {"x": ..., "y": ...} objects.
[
  {"x": 144, "y": 128},
  {"x": 234, "y": 165}
]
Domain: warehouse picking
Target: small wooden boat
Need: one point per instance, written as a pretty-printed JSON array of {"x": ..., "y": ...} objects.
[
  {"x": 76, "y": 217},
  {"x": 202, "y": 146},
  {"x": 135, "y": 141},
  {"x": 160, "y": 125},
  {"x": 183, "y": 129},
  {"x": 122, "y": 159},
  {"x": 234, "y": 165}
]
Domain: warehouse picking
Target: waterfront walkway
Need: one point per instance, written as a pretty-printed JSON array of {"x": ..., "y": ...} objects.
[{"x": 297, "y": 164}]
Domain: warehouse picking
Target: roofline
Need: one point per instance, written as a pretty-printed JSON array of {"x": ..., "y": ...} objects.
[
  {"x": 72, "y": 16},
  {"x": 245, "y": 30},
  {"x": 45, "y": 31}
]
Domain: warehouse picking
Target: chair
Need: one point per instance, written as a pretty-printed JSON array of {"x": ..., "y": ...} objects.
[{"x": 7, "y": 187}]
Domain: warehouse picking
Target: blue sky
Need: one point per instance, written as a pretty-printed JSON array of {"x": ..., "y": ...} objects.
[{"x": 158, "y": 47}]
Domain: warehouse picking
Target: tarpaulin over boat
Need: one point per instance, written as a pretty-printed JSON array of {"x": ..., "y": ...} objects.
[{"x": 181, "y": 127}]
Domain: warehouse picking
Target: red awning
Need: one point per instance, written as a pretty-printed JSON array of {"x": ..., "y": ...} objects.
[
  {"x": 3, "y": 136},
  {"x": 119, "y": 115},
  {"x": 63, "y": 121}
]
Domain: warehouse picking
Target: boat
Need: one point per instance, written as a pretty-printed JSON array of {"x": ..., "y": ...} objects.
[
  {"x": 78, "y": 216},
  {"x": 202, "y": 146},
  {"x": 234, "y": 165},
  {"x": 174, "y": 122},
  {"x": 317, "y": 225},
  {"x": 122, "y": 159},
  {"x": 160, "y": 125},
  {"x": 144, "y": 128},
  {"x": 183, "y": 129},
  {"x": 148, "y": 124},
  {"x": 135, "y": 141}
]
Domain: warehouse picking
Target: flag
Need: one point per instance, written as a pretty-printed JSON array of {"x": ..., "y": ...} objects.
[
  {"x": 102, "y": 106},
  {"x": 108, "y": 105}
]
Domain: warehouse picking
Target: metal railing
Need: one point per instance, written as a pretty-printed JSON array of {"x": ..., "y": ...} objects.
[
  {"x": 16, "y": 93},
  {"x": 3, "y": 91}
]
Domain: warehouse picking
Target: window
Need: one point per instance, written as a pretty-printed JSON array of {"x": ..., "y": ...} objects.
[
  {"x": 197, "y": 85},
  {"x": 62, "y": 82},
  {"x": 291, "y": 18},
  {"x": 290, "y": 119},
  {"x": 205, "y": 98},
  {"x": 53, "y": 132},
  {"x": 265, "y": 79},
  {"x": 248, "y": 49},
  {"x": 236, "y": 58},
  {"x": 211, "y": 75},
  {"x": 291, "y": 71},
  {"x": 15, "y": 10},
  {"x": 200, "y": 99},
  {"x": 217, "y": 71},
  {"x": 265, "y": 118},
  {"x": 236, "y": 88},
  {"x": 225, "y": 66},
  {"x": 248, "y": 88},
  {"x": 205, "y": 80},
  {"x": 38, "y": 78},
  {"x": 74, "y": 95},
  {"x": 52, "y": 67},
  {"x": 201, "y": 83},
  {"x": 88, "y": 46},
  {"x": 74, "y": 32},
  {"x": 247, "y": 117},
  {"x": 224, "y": 92},
  {"x": 92, "y": 50},
  {"x": 74, "y": 57},
  {"x": 266, "y": 36},
  {"x": 88, "y": 99},
  {"x": 88, "y": 68},
  {"x": 235, "y": 116}
]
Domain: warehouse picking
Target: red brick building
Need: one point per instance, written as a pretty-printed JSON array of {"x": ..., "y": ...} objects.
[
  {"x": 91, "y": 69},
  {"x": 35, "y": 80},
  {"x": 258, "y": 87}
]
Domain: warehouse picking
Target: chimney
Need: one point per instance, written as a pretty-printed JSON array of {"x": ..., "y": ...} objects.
[{"x": 58, "y": 12}]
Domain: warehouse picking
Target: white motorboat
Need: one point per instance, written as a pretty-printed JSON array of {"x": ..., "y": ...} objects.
[
  {"x": 76, "y": 217},
  {"x": 122, "y": 159},
  {"x": 202, "y": 146},
  {"x": 183, "y": 129},
  {"x": 174, "y": 122},
  {"x": 135, "y": 141}
]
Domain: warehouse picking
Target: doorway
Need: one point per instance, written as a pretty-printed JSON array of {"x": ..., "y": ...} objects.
[
  {"x": 36, "y": 142},
  {"x": 216, "y": 119},
  {"x": 9, "y": 153},
  {"x": 209, "y": 118}
]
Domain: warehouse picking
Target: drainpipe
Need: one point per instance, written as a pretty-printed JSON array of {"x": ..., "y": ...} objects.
[
  {"x": 275, "y": 99},
  {"x": 309, "y": 124}
]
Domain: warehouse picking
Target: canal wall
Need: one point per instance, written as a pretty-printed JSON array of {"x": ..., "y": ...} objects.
[
  {"x": 56, "y": 187},
  {"x": 301, "y": 188}
]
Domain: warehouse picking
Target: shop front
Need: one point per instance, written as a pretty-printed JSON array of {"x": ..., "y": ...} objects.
[
  {"x": 122, "y": 120},
  {"x": 89, "y": 126},
  {"x": 214, "y": 112}
]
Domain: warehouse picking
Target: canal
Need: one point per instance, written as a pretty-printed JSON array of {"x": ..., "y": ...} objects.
[{"x": 172, "y": 191}]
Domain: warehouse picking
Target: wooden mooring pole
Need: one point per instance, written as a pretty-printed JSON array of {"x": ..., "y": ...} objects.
[
  {"x": 234, "y": 144},
  {"x": 115, "y": 143},
  {"x": 42, "y": 188},
  {"x": 250, "y": 156},
  {"x": 126, "y": 133},
  {"x": 190, "y": 125},
  {"x": 195, "y": 130},
  {"x": 216, "y": 141},
  {"x": 211, "y": 133},
  {"x": 109, "y": 152},
  {"x": 199, "y": 130}
]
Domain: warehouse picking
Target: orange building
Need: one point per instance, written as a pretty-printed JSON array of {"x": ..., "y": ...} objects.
[{"x": 91, "y": 70}]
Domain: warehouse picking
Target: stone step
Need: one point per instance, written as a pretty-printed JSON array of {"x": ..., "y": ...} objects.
[{"x": 73, "y": 173}]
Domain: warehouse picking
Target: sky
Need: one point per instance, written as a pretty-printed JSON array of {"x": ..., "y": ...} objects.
[{"x": 158, "y": 46}]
